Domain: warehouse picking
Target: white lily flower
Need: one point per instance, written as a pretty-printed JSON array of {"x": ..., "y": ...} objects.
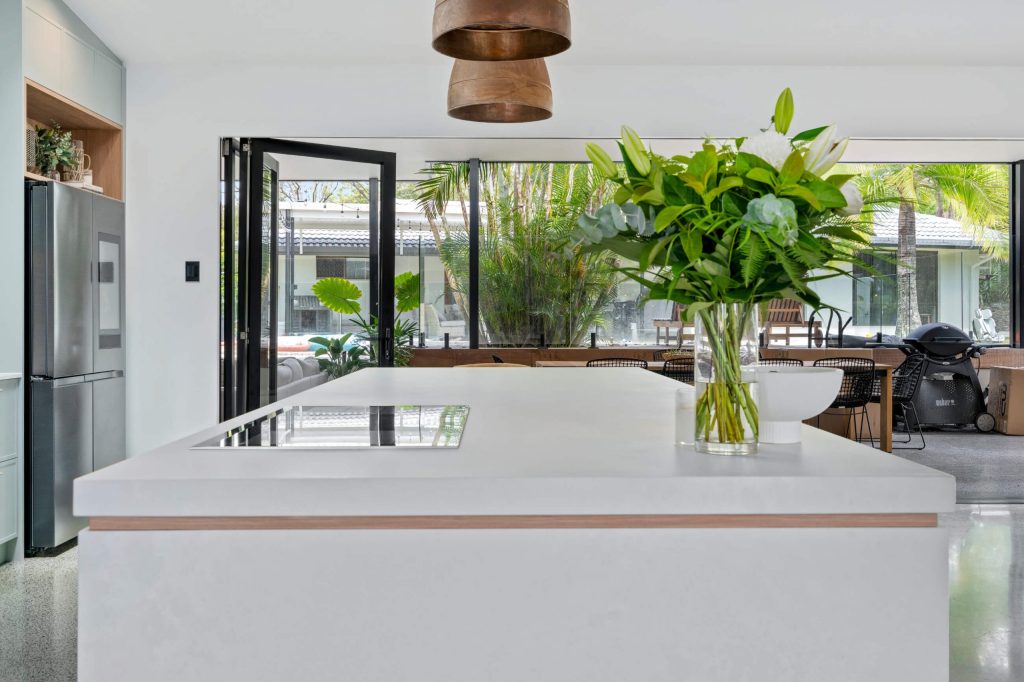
[
  {"x": 854, "y": 200},
  {"x": 771, "y": 146},
  {"x": 825, "y": 151},
  {"x": 833, "y": 157}
]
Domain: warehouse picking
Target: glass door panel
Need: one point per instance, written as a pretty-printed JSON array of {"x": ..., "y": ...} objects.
[{"x": 273, "y": 252}]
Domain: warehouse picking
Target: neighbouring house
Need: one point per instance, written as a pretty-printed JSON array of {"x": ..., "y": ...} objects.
[
  {"x": 956, "y": 276},
  {"x": 333, "y": 240}
]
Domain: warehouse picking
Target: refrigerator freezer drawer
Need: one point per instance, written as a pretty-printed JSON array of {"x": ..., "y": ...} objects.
[
  {"x": 108, "y": 422},
  {"x": 62, "y": 447}
]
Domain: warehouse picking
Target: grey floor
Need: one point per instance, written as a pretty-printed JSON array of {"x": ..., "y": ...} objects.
[
  {"x": 986, "y": 579},
  {"x": 989, "y": 467},
  {"x": 38, "y": 619}
]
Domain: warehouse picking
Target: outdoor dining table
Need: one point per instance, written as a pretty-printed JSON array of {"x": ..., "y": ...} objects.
[{"x": 884, "y": 404}]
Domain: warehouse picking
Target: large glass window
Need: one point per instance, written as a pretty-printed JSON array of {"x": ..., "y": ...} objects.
[
  {"x": 432, "y": 240},
  {"x": 534, "y": 288},
  {"x": 875, "y": 290},
  {"x": 940, "y": 234}
]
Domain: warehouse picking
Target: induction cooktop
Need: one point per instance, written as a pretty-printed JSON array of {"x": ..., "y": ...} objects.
[{"x": 349, "y": 426}]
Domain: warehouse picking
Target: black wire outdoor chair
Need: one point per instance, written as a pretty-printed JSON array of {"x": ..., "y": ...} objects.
[
  {"x": 780, "y": 362},
  {"x": 906, "y": 379},
  {"x": 497, "y": 360},
  {"x": 617, "y": 362},
  {"x": 855, "y": 391},
  {"x": 680, "y": 369}
]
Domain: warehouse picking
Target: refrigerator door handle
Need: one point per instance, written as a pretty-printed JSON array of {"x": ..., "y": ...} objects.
[{"x": 100, "y": 376}]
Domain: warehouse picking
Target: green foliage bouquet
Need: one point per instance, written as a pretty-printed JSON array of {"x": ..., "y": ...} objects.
[{"x": 733, "y": 225}]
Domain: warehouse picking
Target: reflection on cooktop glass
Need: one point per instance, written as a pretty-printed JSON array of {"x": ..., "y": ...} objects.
[{"x": 350, "y": 426}]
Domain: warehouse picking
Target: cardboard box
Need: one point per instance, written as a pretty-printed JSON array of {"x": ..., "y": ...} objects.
[{"x": 1006, "y": 399}]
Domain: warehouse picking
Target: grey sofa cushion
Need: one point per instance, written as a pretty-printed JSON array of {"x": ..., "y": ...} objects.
[
  {"x": 284, "y": 375},
  {"x": 310, "y": 367},
  {"x": 295, "y": 366}
]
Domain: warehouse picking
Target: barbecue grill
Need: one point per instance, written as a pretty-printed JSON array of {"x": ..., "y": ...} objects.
[{"x": 950, "y": 393}]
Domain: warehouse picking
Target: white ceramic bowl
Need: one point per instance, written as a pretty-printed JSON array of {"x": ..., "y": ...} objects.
[{"x": 788, "y": 395}]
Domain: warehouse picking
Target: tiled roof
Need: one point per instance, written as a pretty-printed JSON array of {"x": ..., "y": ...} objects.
[
  {"x": 931, "y": 231},
  {"x": 355, "y": 239}
]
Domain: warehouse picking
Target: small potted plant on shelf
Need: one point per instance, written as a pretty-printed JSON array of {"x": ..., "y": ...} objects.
[
  {"x": 735, "y": 225},
  {"x": 54, "y": 149}
]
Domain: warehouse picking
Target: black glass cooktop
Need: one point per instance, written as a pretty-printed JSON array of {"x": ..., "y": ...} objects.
[{"x": 349, "y": 426}]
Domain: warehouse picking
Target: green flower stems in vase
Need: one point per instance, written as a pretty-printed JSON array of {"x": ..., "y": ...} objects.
[{"x": 726, "y": 411}]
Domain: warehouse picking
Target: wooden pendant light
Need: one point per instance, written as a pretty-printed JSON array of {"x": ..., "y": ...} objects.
[
  {"x": 500, "y": 92},
  {"x": 501, "y": 30}
]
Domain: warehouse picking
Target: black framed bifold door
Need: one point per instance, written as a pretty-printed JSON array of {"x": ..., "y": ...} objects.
[{"x": 253, "y": 227}]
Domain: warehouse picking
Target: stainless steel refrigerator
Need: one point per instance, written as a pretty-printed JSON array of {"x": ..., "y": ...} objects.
[{"x": 75, "y": 351}]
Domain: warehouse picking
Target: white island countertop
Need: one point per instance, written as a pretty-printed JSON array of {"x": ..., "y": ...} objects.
[{"x": 537, "y": 441}]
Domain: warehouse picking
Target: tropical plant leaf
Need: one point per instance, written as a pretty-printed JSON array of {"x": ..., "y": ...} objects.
[
  {"x": 407, "y": 292},
  {"x": 339, "y": 295}
]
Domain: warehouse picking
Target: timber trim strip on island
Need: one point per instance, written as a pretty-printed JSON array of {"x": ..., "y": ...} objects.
[{"x": 509, "y": 522}]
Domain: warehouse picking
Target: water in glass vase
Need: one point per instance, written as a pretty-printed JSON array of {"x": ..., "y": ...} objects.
[{"x": 726, "y": 355}]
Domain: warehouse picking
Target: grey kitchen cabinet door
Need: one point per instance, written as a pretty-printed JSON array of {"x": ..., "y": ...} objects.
[
  {"x": 108, "y": 88},
  {"x": 76, "y": 70},
  {"x": 9, "y": 419},
  {"x": 41, "y": 50},
  {"x": 8, "y": 500}
]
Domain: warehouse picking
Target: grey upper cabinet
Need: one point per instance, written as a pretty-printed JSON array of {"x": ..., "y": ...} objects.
[
  {"x": 108, "y": 88},
  {"x": 77, "y": 63},
  {"x": 42, "y": 58},
  {"x": 61, "y": 61}
]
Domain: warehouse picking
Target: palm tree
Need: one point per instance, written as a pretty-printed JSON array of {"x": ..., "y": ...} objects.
[
  {"x": 531, "y": 283},
  {"x": 975, "y": 194}
]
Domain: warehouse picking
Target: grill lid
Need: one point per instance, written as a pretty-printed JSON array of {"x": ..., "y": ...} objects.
[{"x": 939, "y": 339}]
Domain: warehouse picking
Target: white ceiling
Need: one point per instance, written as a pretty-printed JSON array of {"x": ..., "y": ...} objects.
[
  {"x": 415, "y": 153},
  {"x": 605, "y": 32}
]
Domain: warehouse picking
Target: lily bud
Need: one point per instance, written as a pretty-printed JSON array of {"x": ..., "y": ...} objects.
[
  {"x": 602, "y": 161},
  {"x": 833, "y": 157},
  {"x": 819, "y": 148},
  {"x": 635, "y": 151}
]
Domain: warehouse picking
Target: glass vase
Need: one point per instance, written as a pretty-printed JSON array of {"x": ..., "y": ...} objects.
[{"x": 725, "y": 358}]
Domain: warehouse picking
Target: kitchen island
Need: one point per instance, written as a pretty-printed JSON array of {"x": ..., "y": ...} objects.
[{"x": 566, "y": 538}]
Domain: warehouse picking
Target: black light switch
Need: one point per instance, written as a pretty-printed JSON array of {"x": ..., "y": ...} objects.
[{"x": 191, "y": 271}]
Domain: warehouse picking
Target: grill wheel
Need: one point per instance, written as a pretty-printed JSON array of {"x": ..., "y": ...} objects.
[{"x": 985, "y": 422}]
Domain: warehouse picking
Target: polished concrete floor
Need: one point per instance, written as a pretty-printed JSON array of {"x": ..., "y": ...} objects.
[
  {"x": 986, "y": 606},
  {"x": 989, "y": 467},
  {"x": 38, "y": 619}
]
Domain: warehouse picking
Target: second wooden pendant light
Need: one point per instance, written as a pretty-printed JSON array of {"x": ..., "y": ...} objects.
[{"x": 499, "y": 74}]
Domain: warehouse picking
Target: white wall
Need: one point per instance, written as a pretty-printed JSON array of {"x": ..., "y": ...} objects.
[
  {"x": 177, "y": 114},
  {"x": 12, "y": 193},
  {"x": 12, "y": 208}
]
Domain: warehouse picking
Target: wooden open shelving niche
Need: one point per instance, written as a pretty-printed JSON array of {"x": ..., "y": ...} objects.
[{"x": 103, "y": 138}]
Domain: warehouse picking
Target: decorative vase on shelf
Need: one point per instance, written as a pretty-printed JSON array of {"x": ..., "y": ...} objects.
[{"x": 725, "y": 362}]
